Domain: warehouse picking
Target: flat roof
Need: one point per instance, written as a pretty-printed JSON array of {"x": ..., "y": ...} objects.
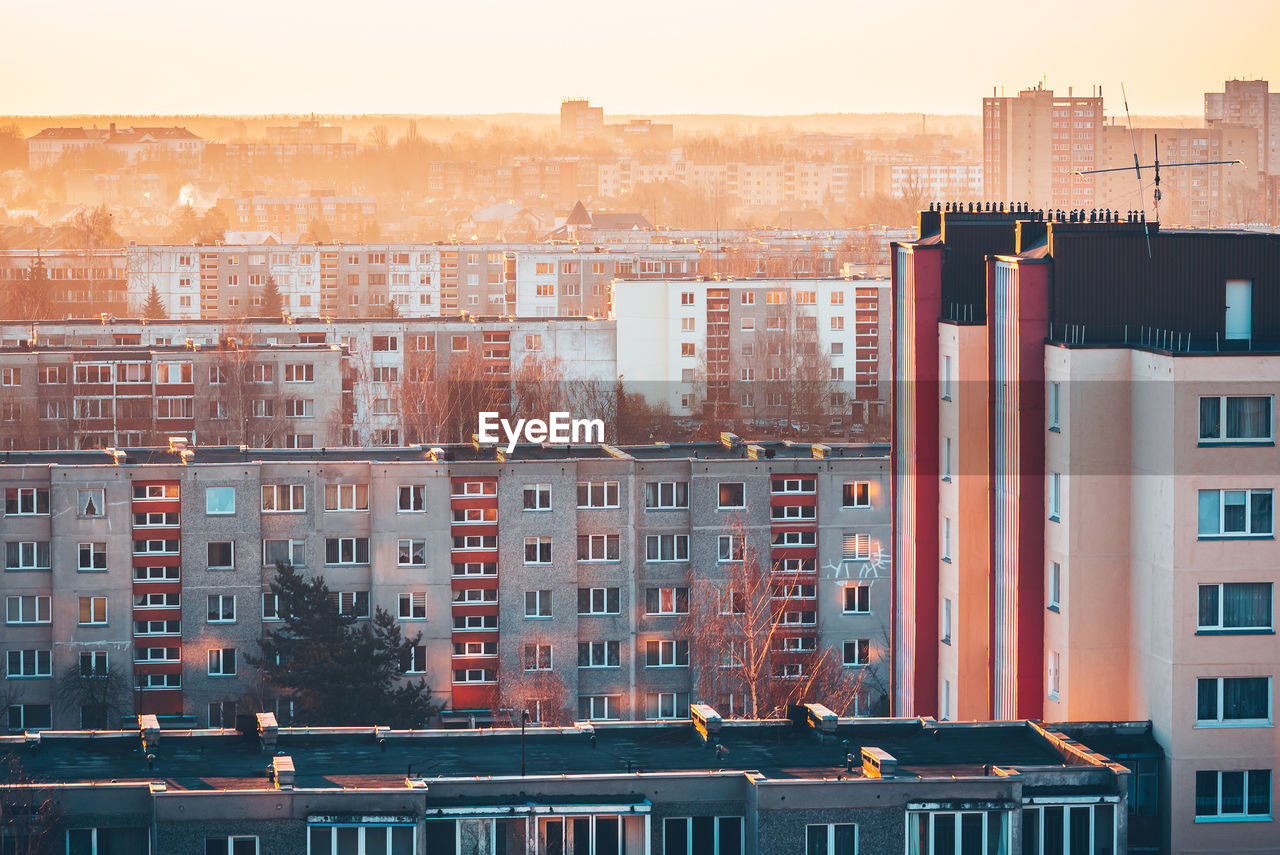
[
  {"x": 450, "y": 452},
  {"x": 334, "y": 757}
]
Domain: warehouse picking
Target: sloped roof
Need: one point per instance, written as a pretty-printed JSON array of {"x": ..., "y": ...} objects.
[{"x": 579, "y": 216}]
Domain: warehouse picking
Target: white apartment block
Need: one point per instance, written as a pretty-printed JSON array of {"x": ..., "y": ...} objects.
[{"x": 680, "y": 338}]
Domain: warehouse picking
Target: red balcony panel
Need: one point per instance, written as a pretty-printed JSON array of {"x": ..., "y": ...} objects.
[{"x": 160, "y": 702}]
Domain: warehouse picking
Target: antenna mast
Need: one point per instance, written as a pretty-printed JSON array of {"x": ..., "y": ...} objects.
[{"x": 1137, "y": 169}]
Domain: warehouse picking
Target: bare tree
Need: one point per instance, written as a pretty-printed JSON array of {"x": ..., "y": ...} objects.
[
  {"x": 753, "y": 640},
  {"x": 102, "y": 696},
  {"x": 30, "y": 815},
  {"x": 535, "y": 688}
]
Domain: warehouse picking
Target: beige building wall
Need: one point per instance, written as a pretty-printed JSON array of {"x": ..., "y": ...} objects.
[{"x": 1132, "y": 559}]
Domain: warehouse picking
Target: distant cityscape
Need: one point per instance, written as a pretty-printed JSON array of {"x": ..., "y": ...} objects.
[{"x": 933, "y": 513}]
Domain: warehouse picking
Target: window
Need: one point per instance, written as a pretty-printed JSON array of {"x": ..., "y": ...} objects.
[
  {"x": 33, "y": 609},
  {"x": 857, "y": 494},
  {"x": 458, "y": 343},
  {"x": 660, "y": 495},
  {"x": 222, "y": 662},
  {"x": 1069, "y": 829},
  {"x": 1055, "y": 496},
  {"x": 157, "y": 627},
  {"x": 946, "y": 458},
  {"x": 1235, "y": 513},
  {"x": 219, "y": 501},
  {"x": 1235, "y": 606},
  {"x": 702, "y": 835},
  {"x": 1248, "y": 419},
  {"x": 352, "y": 603},
  {"x": 475, "y": 542},
  {"x": 29, "y": 663},
  {"x": 857, "y": 600},
  {"x": 346, "y": 550},
  {"x": 284, "y": 551},
  {"x": 1054, "y": 676},
  {"x": 1233, "y": 794},
  {"x": 946, "y": 378},
  {"x": 271, "y": 607},
  {"x": 537, "y": 657},
  {"x": 666, "y": 654},
  {"x": 413, "y": 606},
  {"x": 155, "y": 547},
  {"x": 1052, "y": 405},
  {"x": 1233, "y": 700},
  {"x": 537, "y": 604},
  {"x": 857, "y": 652},
  {"x": 597, "y": 494},
  {"x": 156, "y": 601},
  {"x": 283, "y": 498},
  {"x": 1055, "y": 586},
  {"x": 411, "y": 553},
  {"x": 857, "y": 547},
  {"x": 666, "y": 705},
  {"x": 93, "y": 611},
  {"x": 26, "y": 501},
  {"x": 831, "y": 839},
  {"x": 93, "y": 557},
  {"x": 666, "y": 601},
  {"x": 599, "y": 707},
  {"x": 412, "y": 499},
  {"x": 598, "y": 601},
  {"x": 597, "y": 547},
  {"x": 346, "y": 497},
  {"x": 666, "y": 547},
  {"x": 53, "y": 374},
  {"x": 222, "y": 608},
  {"x": 91, "y": 502},
  {"x": 230, "y": 845},
  {"x": 956, "y": 832},
  {"x": 946, "y": 620},
  {"x": 475, "y": 675},
  {"x": 538, "y": 551},
  {"x": 300, "y": 373},
  {"x": 222, "y": 555},
  {"x": 93, "y": 664},
  {"x": 599, "y": 654},
  {"x": 30, "y": 716},
  {"x": 730, "y": 547},
  {"x": 537, "y": 497},
  {"x": 11, "y": 377},
  {"x": 27, "y": 555},
  {"x": 731, "y": 495},
  {"x": 155, "y": 519}
]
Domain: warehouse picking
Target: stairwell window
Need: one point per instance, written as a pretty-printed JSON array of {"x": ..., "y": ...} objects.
[
  {"x": 1235, "y": 513},
  {"x": 1055, "y": 496}
]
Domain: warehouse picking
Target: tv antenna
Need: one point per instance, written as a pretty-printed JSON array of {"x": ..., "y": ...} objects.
[{"x": 1137, "y": 169}]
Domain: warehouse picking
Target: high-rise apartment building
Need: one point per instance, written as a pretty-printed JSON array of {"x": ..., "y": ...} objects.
[
  {"x": 1083, "y": 492},
  {"x": 579, "y": 121},
  {"x": 1250, "y": 103},
  {"x": 1032, "y": 143}
]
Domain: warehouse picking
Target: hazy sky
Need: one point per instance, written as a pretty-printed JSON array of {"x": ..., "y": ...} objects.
[{"x": 745, "y": 56}]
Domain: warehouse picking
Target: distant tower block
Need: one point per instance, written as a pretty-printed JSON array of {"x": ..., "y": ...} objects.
[{"x": 580, "y": 121}]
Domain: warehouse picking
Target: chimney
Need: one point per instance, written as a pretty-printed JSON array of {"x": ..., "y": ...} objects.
[
  {"x": 268, "y": 729},
  {"x": 149, "y": 728},
  {"x": 878, "y": 763},
  {"x": 705, "y": 720},
  {"x": 282, "y": 772}
]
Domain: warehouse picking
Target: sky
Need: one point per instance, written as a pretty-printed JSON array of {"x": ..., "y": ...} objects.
[{"x": 655, "y": 57}]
